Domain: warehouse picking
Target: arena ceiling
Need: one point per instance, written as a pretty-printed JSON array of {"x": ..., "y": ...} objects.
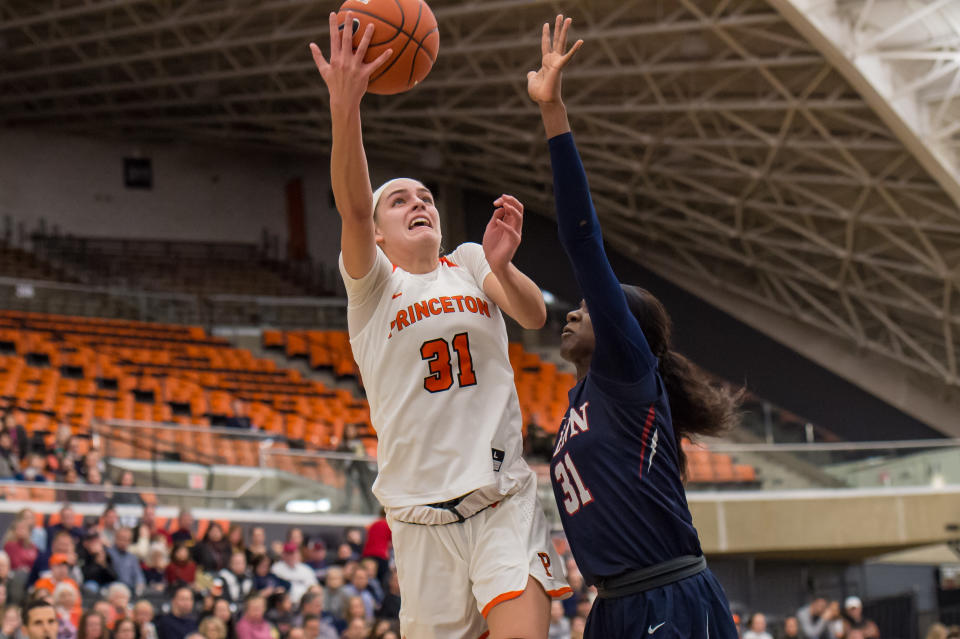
[{"x": 792, "y": 161}]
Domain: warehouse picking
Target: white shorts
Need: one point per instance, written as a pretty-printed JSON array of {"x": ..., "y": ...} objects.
[{"x": 452, "y": 575}]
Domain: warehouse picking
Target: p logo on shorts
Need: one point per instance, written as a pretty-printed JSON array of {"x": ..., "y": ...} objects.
[{"x": 545, "y": 560}]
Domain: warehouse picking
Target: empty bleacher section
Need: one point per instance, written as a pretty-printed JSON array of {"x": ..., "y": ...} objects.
[
  {"x": 58, "y": 369},
  {"x": 198, "y": 268},
  {"x": 323, "y": 350},
  {"x": 200, "y": 283},
  {"x": 19, "y": 263}
]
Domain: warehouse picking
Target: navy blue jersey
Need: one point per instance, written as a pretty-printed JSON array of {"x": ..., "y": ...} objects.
[{"x": 615, "y": 468}]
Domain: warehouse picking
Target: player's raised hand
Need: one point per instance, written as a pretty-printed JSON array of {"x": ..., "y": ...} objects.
[
  {"x": 502, "y": 237},
  {"x": 544, "y": 85},
  {"x": 346, "y": 74}
]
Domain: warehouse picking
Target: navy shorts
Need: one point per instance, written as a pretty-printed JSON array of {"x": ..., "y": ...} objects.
[{"x": 692, "y": 608}]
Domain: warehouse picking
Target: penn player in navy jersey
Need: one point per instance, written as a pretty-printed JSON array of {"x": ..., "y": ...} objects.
[{"x": 617, "y": 467}]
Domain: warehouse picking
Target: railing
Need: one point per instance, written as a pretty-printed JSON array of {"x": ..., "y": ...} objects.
[
  {"x": 795, "y": 470},
  {"x": 106, "y": 261},
  {"x": 210, "y": 473},
  {"x": 230, "y": 467},
  {"x": 80, "y": 493},
  {"x": 914, "y": 463},
  {"x": 176, "y": 308}
]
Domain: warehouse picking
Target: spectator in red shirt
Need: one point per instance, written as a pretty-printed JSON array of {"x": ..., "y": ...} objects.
[
  {"x": 18, "y": 546},
  {"x": 182, "y": 570},
  {"x": 379, "y": 539}
]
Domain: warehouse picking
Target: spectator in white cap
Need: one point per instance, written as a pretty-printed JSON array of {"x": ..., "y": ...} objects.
[
  {"x": 291, "y": 569},
  {"x": 853, "y": 619}
]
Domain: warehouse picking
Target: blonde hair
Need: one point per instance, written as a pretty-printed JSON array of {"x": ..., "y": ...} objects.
[
  {"x": 25, "y": 515},
  {"x": 216, "y": 624}
]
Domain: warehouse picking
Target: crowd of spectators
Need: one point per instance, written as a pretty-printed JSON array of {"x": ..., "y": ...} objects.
[
  {"x": 824, "y": 619},
  {"x": 819, "y": 619},
  {"x": 74, "y": 462},
  {"x": 111, "y": 579},
  {"x": 107, "y": 578}
]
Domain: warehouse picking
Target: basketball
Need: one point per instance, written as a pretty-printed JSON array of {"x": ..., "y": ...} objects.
[{"x": 406, "y": 26}]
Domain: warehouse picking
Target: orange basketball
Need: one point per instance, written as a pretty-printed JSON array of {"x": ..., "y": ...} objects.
[{"x": 406, "y": 26}]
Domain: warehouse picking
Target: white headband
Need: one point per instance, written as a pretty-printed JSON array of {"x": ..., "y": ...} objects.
[{"x": 383, "y": 187}]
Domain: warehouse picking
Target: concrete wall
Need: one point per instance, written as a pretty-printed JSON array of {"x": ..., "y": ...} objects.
[
  {"x": 199, "y": 192},
  {"x": 824, "y": 524}
]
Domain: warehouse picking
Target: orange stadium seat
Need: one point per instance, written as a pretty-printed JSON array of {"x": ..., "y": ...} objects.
[
  {"x": 699, "y": 473},
  {"x": 157, "y": 372},
  {"x": 62, "y": 369},
  {"x": 744, "y": 473}
]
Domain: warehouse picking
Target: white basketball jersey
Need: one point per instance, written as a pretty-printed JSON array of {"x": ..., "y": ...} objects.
[{"x": 432, "y": 350}]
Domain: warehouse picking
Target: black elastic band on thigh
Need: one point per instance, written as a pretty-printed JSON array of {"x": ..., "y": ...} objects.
[{"x": 662, "y": 574}]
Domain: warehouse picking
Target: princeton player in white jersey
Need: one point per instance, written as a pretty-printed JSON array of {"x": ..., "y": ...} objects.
[{"x": 473, "y": 550}]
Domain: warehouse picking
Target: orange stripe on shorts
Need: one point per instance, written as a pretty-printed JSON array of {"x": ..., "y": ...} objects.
[{"x": 507, "y": 596}]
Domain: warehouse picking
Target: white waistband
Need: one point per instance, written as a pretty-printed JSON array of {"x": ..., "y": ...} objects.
[{"x": 471, "y": 504}]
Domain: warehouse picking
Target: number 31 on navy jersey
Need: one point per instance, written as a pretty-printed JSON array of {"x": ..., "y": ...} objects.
[{"x": 575, "y": 494}]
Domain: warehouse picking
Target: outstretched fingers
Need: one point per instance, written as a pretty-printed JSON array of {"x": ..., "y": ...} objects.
[
  {"x": 357, "y": 56},
  {"x": 318, "y": 59},
  {"x": 365, "y": 41},
  {"x": 334, "y": 39},
  {"x": 346, "y": 34},
  {"x": 383, "y": 57},
  {"x": 569, "y": 54},
  {"x": 545, "y": 39},
  {"x": 563, "y": 36}
]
